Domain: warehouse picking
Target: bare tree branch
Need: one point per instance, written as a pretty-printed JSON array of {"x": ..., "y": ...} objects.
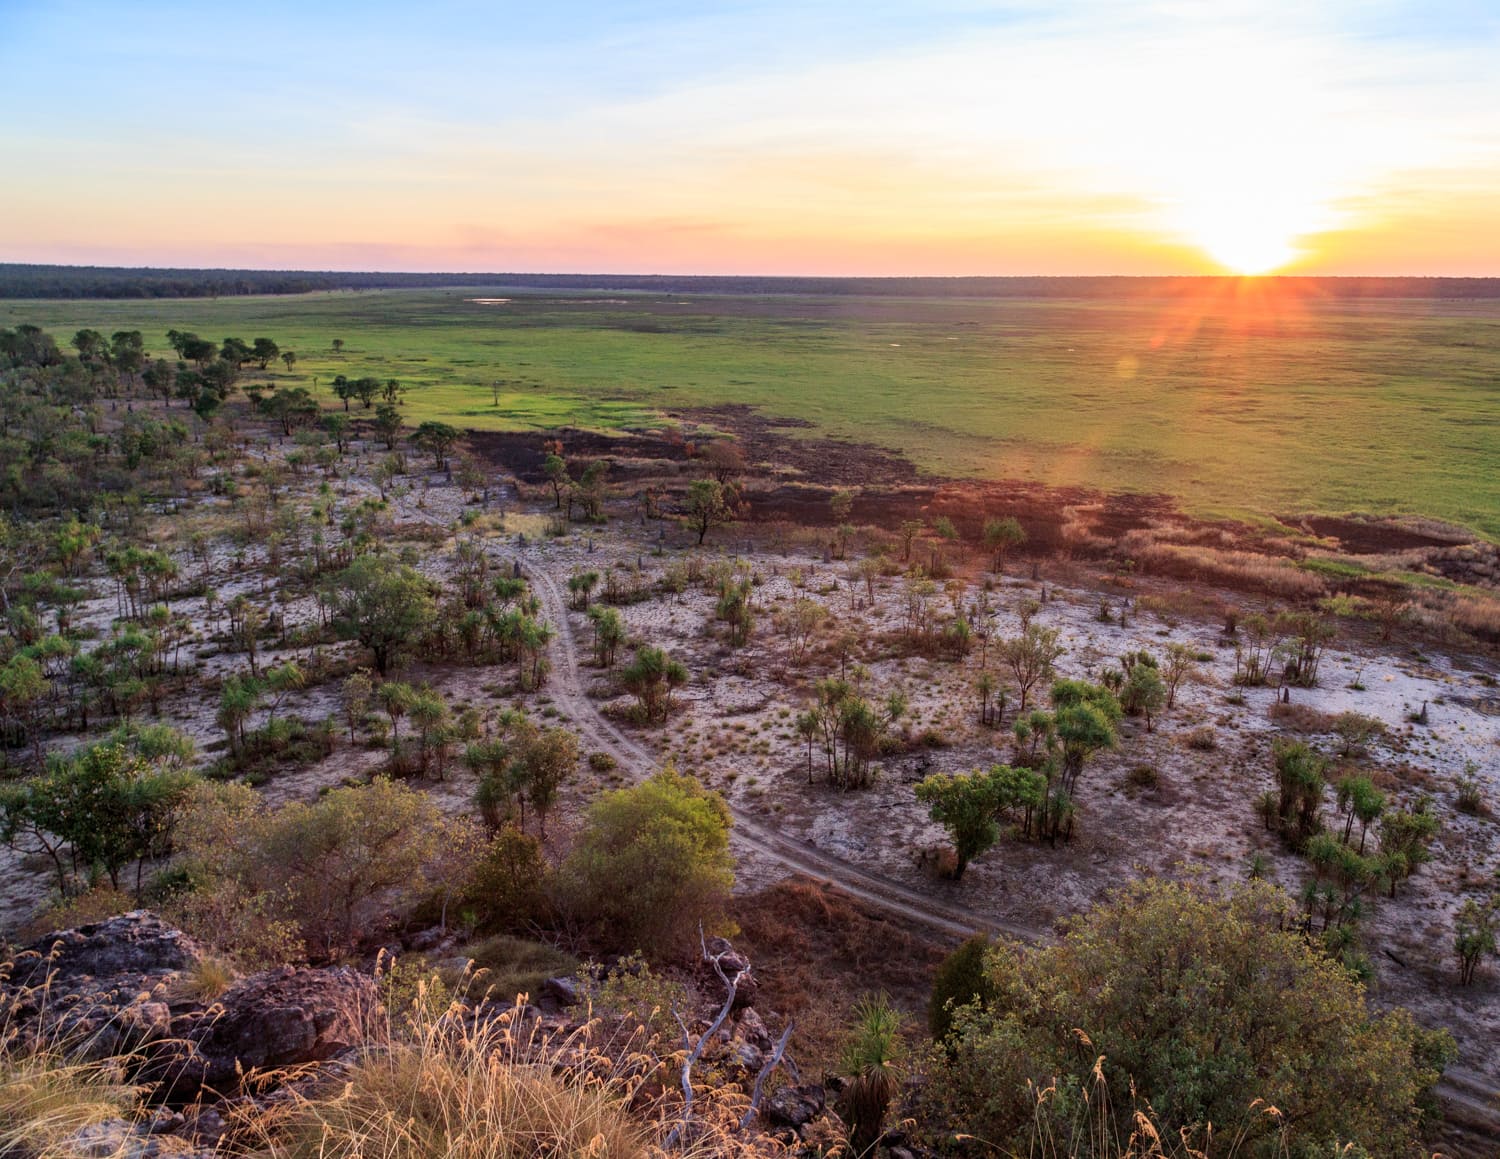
[{"x": 765, "y": 1073}]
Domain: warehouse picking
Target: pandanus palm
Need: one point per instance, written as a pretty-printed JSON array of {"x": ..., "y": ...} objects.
[{"x": 871, "y": 1060}]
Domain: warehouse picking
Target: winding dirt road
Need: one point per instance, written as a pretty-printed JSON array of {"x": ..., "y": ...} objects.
[
  {"x": 1469, "y": 1098},
  {"x": 567, "y": 690}
]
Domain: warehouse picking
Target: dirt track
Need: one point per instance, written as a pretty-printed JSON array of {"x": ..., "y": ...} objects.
[
  {"x": 1469, "y": 1098},
  {"x": 568, "y": 693}
]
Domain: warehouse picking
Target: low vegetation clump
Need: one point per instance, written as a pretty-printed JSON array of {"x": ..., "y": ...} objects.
[
  {"x": 487, "y": 1092},
  {"x": 48, "y": 1098},
  {"x": 653, "y": 865},
  {"x": 1230, "y": 1025}
]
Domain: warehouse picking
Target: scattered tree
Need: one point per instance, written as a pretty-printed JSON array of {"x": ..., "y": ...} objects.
[{"x": 384, "y": 605}]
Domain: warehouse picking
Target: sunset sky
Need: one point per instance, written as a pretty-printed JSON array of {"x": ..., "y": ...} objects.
[{"x": 958, "y": 137}]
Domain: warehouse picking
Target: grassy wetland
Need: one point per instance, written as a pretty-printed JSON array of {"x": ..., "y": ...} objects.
[{"x": 1233, "y": 398}]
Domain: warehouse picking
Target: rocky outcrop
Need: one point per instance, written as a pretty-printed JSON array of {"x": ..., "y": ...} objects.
[
  {"x": 125, "y": 989},
  {"x": 795, "y": 1107},
  {"x": 136, "y": 945},
  {"x": 105, "y": 987},
  {"x": 119, "y": 987},
  {"x": 281, "y": 1018}
]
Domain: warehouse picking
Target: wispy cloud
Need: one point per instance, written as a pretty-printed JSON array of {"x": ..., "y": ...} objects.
[{"x": 957, "y": 137}]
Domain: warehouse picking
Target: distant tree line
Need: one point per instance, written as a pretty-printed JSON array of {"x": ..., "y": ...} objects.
[{"x": 43, "y": 281}]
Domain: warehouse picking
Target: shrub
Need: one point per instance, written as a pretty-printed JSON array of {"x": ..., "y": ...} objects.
[
  {"x": 961, "y": 980},
  {"x": 507, "y": 887},
  {"x": 651, "y": 678},
  {"x": 1203, "y": 740},
  {"x": 329, "y": 867},
  {"x": 96, "y": 905},
  {"x": 1355, "y": 731},
  {"x": 1211, "y": 1008},
  {"x": 602, "y": 762},
  {"x": 651, "y": 864},
  {"x": 1470, "y": 792}
]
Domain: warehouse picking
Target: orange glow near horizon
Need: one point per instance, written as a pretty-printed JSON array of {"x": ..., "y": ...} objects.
[{"x": 1083, "y": 137}]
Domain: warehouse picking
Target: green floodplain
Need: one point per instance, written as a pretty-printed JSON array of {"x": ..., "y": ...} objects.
[{"x": 1239, "y": 400}]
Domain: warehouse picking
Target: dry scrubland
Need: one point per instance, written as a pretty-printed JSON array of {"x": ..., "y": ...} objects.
[{"x": 816, "y": 672}]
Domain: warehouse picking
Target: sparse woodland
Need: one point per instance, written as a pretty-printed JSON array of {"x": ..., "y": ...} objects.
[{"x": 723, "y": 792}]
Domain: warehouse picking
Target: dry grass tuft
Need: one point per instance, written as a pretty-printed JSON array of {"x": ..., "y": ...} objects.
[
  {"x": 45, "y": 1101},
  {"x": 460, "y": 1081},
  {"x": 48, "y": 1096},
  {"x": 462, "y": 1100}
]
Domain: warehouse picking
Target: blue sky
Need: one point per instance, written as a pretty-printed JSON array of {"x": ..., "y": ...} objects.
[{"x": 817, "y": 137}]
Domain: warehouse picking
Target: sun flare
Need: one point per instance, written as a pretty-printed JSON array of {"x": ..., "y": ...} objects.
[
  {"x": 1246, "y": 235},
  {"x": 1250, "y": 253}
]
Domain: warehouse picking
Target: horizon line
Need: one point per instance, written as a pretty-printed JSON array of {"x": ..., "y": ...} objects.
[{"x": 439, "y": 273}]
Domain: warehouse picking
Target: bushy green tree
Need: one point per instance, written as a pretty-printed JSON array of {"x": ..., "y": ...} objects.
[
  {"x": 1000, "y": 535},
  {"x": 383, "y": 604},
  {"x": 970, "y": 805},
  {"x": 651, "y": 864},
  {"x": 710, "y": 504},
  {"x": 962, "y": 979},
  {"x": 1213, "y": 1009},
  {"x": 330, "y": 866},
  {"x": 437, "y": 439},
  {"x": 100, "y": 809}
]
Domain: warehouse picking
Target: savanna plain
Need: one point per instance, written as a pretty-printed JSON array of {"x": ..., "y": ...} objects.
[{"x": 906, "y": 725}]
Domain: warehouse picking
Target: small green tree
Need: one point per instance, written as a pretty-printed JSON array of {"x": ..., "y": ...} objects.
[
  {"x": 1144, "y": 693},
  {"x": 556, "y": 470},
  {"x": 1030, "y": 658},
  {"x": 965, "y": 805},
  {"x": 609, "y": 634},
  {"x": 239, "y": 696},
  {"x": 651, "y": 864},
  {"x": 108, "y": 805},
  {"x": 580, "y": 586},
  {"x": 1001, "y": 535},
  {"x": 437, "y": 439},
  {"x": 651, "y": 678},
  {"x": 545, "y": 759},
  {"x": 1359, "y": 800},
  {"x": 264, "y": 351},
  {"x": 388, "y": 425},
  {"x": 1179, "y": 664},
  {"x": 383, "y": 604},
  {"x": 1474, "y": 936},
  {"x": 710, "y": 504}
]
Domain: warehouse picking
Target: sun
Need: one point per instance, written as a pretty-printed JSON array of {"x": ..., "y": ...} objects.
[
  {"x": 1250, "y": 252},
  {"x": 1248, "y": 229}
]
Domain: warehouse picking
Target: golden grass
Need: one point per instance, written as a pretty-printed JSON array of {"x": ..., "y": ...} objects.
[
  {"x": 45, "y": 1101},
  {"x": 460, "y": 1100},
  {"x": 454, "y": 1082},
  {"x": 1236, "y": 569},
  {"x": 47, "y": 1096}
]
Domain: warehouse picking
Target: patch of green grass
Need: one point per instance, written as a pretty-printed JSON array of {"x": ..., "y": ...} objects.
[
  {"x": 1334, "y": 568},
  {"x": 517, "y": 966},
  {"x": 1229, "y": 404}
]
